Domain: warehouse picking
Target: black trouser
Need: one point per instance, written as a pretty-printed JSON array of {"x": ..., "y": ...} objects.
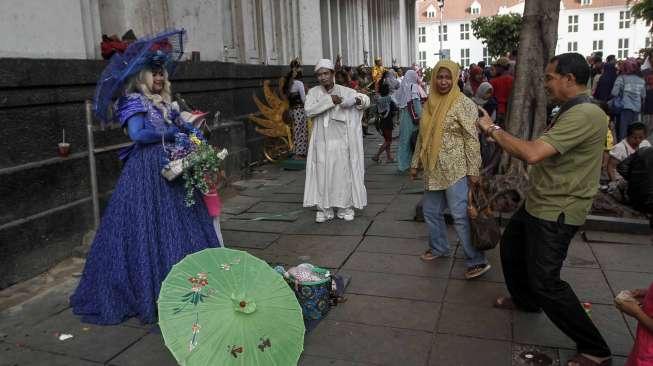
[{"x": 532, "y": 253}]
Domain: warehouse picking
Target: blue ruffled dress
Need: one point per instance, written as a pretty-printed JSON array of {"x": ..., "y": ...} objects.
[{"x": 145, "y": 230}]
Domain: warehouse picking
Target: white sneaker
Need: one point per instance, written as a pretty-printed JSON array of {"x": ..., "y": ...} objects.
[
  {"x": 346, "y": 214},
  {"x": 323, "y": 215},
  {"x": 320, "y": 217}
]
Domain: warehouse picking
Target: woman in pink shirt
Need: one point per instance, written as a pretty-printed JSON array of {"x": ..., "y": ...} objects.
[{"x": 640, "y": 307}]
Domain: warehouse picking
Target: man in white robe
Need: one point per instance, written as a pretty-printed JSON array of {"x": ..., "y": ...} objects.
[{"x": 335, "y": 171}]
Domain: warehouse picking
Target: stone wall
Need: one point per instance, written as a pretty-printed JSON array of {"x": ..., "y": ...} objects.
[{"x": 46, "y": 201}]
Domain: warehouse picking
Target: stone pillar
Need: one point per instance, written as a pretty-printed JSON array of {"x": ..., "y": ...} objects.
[
  {"x": 310, "y": 25},
  {"x": 404, "y": 43},
  {"x": 92, "y": 32}
]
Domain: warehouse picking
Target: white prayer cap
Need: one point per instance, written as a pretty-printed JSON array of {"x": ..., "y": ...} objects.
[{"x": 324, "y": 63}]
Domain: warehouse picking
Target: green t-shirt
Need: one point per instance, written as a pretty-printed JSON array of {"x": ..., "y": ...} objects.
[{"x": 568, "y": 181}]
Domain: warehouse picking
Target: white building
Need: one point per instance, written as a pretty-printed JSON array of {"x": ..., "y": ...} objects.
[
  {"x": 584, "y": 26},
  {"x": 241, "y": 31}
]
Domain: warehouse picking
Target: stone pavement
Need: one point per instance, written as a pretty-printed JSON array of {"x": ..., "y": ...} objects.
[{"x": 400, "y": 310}]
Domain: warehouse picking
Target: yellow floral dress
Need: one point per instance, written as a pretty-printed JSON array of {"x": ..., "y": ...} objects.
[{"x": 460, "y": 153}]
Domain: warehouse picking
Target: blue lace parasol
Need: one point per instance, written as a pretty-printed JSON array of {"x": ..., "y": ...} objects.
[{"x": 162, "y": 50}]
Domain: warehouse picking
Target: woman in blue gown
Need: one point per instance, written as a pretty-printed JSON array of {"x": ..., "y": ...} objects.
[{"x": 146, "y": 228}]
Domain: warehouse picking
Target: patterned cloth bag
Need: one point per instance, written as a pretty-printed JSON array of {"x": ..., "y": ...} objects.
[{"x": 313, "y": 287}]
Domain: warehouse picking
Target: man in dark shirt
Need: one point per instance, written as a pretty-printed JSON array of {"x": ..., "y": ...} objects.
[{"x": 640, "y": 181}]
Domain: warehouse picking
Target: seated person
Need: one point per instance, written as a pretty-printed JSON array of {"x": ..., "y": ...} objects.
[
  {"x": 635, "y": 139},
  {"x": 640, "y": 181}
]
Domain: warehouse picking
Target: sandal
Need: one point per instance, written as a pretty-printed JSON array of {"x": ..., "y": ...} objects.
[
  {"x": 506, "y": 303},
  {"x": 582, "y": 360},
  {"x": 428, "y": 256}
]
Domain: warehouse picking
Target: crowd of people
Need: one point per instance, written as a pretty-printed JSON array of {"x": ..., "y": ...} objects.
[
  {"x": 454, "y": 147},
  {"x": 450, "y": 135}
]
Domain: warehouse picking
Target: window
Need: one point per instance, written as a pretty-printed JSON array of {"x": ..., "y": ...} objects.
[
  {"x": 486, "y": 56},
  {"x": 476, "y": 10},
  {"x": 622, "y": 50},
  {"x": 430, "y": 14},
  {"x": 421, "y": 58},
  {"x": 598, "y": 21},
  {"x": 464, "y": 31},
  {"x": 421, "y": 34},
  {"x": 573, "y": 24},
  {"x": 572, "y": 46},
  {"x": 624, "y": 19},
  {"x": 648, "y": 42},
  {"x": 586, "y": 2},
  {"x": 597, "y": 45},
  {"x": 442, "y": 29},
  {"x": 464, "y": 57}
]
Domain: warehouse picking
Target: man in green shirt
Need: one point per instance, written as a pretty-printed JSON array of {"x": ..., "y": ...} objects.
[{"x": 564, "y": 174}]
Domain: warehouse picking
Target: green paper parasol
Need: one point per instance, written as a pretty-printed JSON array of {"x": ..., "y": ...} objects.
[{"x": 226, "y": 307}]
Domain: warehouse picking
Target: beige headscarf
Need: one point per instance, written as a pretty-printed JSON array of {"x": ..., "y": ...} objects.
[{"x": 431, "y": 125}]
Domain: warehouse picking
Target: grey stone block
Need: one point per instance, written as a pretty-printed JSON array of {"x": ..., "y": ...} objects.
[
  {"x": 588, "y": 284},
  {"x": 277, "y": 207},
  {"x": 255, "y": 226},
  {"x": 323, "y": 361},
  {"x": 239, "y": 204},
  {"x": 324, "y": 251},
  {"x": 380, "y": 244},
  {"x": 307, "y": 225},
  {"x": 371, "y": 210},
  {"x": 364, "y": 343},
  {"x": 260, "y": 216},
  {"x": 399, "y": 264},
  {"x": 37, "y": 309},
  {"x": 580, "y": 255},
  {"x": 379, "y": 198},
  {"x": 474, "y": 321},
  {"x": 283, "y": 197},
  {"x": 477, "y": 293},
  {"x": 628, "y": 280},
  {"x": 246, "y": 239},
  {"x": 619, "y": 257},
  {"x": 619, "y": 238},
  {"x": 150, "y": 350},
  {"x": 453, "y": 350},
  {"x": 90, "y": 342},
  {"x": 530, "y": 328},
  {"x": 398, "y": 229},
  {"x": 387, "y": 312},
  {"x": 316, "y": 244},
  {"x": 395, "y": 286},
  {"x": 20, "y": 355}
]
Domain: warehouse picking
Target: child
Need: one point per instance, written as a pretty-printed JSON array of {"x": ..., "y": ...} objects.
[
  {"x": 639, "y": 305},
  {"x": 385, "y": 107}
]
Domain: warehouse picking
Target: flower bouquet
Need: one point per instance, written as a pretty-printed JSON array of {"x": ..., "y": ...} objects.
[{"x": 200, "y": 166}]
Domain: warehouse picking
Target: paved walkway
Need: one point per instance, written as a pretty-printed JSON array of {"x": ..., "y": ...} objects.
[{"x": 400, "y": 310}]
